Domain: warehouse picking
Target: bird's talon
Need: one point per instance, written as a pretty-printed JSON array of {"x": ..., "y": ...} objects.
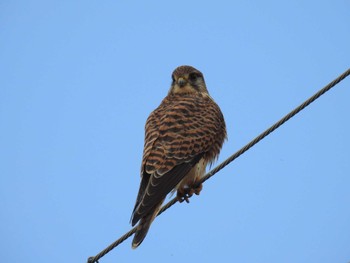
[
  {"x": 185, "y": 194},
  {"x": 198, "y": 189}
]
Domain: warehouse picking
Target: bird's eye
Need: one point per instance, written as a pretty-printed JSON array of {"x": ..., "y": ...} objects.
[{"x": 193, "y": 77}]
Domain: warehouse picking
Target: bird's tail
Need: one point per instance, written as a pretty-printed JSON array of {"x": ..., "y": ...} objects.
[{"x": 144, "y": 226}]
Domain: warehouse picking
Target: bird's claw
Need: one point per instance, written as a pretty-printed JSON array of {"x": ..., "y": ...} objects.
[{"x": 185, "y": 193}]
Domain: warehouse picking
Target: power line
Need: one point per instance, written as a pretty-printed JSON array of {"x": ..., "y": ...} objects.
[{"x": 231, "y": 158}]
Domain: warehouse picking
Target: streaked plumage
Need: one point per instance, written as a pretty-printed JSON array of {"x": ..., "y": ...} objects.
[{"x": 182, "y": 136}]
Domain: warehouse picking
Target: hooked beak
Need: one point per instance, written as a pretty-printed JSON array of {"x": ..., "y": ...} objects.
[{"x": 181, "y": 82}]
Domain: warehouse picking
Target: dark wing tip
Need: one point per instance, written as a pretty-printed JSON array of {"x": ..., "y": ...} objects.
[
  {"x": 159, "y": 186},
  {"x": 134, "y": 219},
  {"x": 142, "y": 228}
]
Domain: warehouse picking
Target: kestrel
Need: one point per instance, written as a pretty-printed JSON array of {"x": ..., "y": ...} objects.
[{"x": 182, "y": 135}]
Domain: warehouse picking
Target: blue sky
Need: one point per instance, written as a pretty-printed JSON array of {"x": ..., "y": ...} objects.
[{"x": 78, "y": 80}]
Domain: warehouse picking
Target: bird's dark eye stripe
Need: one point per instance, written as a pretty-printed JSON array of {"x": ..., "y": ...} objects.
[{"x": 194, "y": 76}]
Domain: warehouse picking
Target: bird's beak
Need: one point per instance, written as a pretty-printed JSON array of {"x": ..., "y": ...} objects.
[{"x": 181, "y": 82}]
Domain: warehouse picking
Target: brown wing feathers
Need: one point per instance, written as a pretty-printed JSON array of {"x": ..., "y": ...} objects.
[
  {"x": 159, "y": 186},
  {"x": 184, "y": 129},
  {"x": 173, "y": 143}
]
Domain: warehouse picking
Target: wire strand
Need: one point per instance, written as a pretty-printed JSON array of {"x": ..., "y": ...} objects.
[{"x": 231, "y": 158}]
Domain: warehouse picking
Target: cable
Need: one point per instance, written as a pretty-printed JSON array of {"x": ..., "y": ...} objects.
[{"x": 231, "y": 158}]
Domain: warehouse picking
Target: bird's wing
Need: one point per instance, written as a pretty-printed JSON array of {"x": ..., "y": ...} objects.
[
  {"x": 159, "y": 186},
  {"x": 178, "y": 135}
]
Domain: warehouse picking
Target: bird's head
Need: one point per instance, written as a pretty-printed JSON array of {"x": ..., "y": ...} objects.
[{"x": 187, "y": 79}]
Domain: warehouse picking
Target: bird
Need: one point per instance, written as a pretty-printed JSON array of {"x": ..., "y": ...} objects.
[{"x": 183, "y": 135}]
